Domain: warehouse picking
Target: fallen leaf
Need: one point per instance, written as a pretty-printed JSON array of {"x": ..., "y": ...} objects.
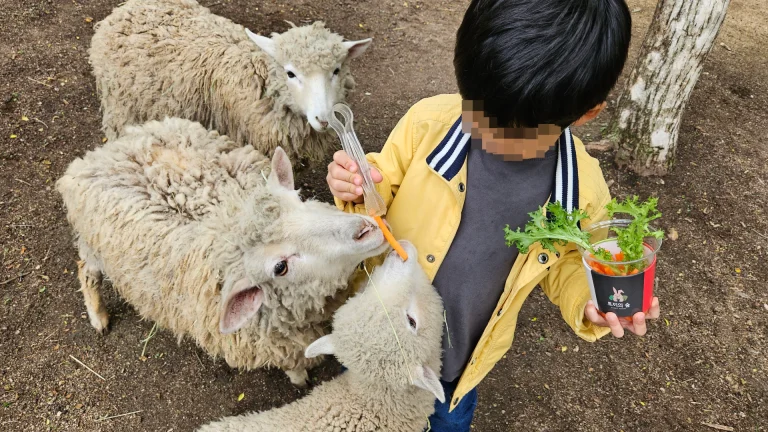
[
  {"x": 78, "y": 406},
  {"x": 642, "y": 403},
  {"x": 24, "y": 118},
  {"x": 241, "y": 397},
  {"x": 13, "y": 136},
  {"x": 88, "y": 19},
  {"x": 546, "y": 386},
  {"x": 563, "y": 348},
  {"x": 737, "y": 270},
  {"x": 672, "y": 234},
  {"x": 534, "y": 319},
  {"x": 104, "y": 139},
  {"x": 666, "y": 321},
  {"x": 23, "y": 249}
]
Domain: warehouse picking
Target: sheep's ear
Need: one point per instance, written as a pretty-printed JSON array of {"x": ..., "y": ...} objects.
[
  {"x": 357, "y": 48},
  {"x": 282, "y": 171},
  {"x": 266, "y": 44},
  {"x": 426, "y": 378},
  {"x": 324, "y": 345},
  {"x": 240, "y": 304}
]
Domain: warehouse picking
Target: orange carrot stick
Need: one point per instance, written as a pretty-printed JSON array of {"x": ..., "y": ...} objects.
[{"x": 391, "y": 239}]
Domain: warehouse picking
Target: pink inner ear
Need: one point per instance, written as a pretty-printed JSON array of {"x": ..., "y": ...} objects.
[{"x": 240, "y": 308}]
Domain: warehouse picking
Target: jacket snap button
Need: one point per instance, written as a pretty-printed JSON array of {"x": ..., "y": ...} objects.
[
  {"x": 461, "y": 187},
  {"x": 431, "y": 258},
  {"x": 543, "y": 258}
]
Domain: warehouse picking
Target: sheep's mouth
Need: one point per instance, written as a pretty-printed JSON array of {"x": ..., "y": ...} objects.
[{"x": 365, "y": 232}]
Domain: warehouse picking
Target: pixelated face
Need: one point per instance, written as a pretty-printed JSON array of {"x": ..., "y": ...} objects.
[
  {"x": 510, "y": 143},
  {"x": 311, "y": 250},
  {"x": 315, "y": 71},
  {"x": 391, "y": 330}
]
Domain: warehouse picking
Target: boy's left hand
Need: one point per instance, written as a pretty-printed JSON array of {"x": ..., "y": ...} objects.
[{"x": 636, "y": 326}]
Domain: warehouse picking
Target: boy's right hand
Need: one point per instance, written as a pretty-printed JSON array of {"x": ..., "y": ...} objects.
[{"x": 344, "y": 180}]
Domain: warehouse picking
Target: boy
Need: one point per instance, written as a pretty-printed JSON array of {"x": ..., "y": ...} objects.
[{"x": 457, "y": 169}]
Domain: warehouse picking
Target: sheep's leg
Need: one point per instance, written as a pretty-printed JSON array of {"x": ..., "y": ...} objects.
[
  {"x": 90, "y": 281},
  {"x": 298, "y": 377}
]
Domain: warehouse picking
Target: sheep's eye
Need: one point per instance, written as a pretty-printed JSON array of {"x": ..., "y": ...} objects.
[
  {"x": 336, "y": 72},
  {"x": 281, "y": 268},
  {"x": 291, "y": 74},
  {"x": 411, "y": 322}
]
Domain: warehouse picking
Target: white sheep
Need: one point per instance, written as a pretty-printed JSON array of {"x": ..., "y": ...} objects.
[
  {"x": 153, "y": 59},
  {"x": 391, "y": 356},
  {"x": 193, "y": 234}
]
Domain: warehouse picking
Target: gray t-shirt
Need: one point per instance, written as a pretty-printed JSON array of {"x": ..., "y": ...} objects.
[{"x": 472, "y": 277}]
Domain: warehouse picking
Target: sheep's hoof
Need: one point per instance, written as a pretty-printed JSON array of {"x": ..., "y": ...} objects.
[
  {"x": 100, "y": 322},
  {"x": 299, "y": 378}
]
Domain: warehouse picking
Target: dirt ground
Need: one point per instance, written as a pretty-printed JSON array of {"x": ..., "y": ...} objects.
[{"x": 705, "y": 361}]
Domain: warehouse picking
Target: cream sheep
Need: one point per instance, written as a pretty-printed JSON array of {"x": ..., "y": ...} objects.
[
  {"x": 194, "y": 236},
  {"x": 158, "y": 58},
  {"x": 390, "y": 384}
]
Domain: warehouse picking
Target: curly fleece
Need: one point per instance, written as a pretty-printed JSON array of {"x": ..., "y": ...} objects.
[
  {"x": 153, "y": 59},
  {"x": 167, "y": 212},
  {"x": 375, "y": 394}
]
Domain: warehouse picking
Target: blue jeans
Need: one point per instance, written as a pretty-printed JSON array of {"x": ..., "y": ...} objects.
[{"x": 461, "y": 418}]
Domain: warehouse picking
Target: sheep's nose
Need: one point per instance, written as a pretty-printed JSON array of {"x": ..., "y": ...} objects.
[
  {"x": 323, "y": 123},
  {"x": 365, "y": 228}
]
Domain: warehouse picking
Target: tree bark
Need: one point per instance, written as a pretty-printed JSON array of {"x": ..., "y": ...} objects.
[{"x": 646, "y": 123}]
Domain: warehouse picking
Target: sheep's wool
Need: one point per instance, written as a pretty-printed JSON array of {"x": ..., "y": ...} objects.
[
  {"x": 165, "y": 212},
  {"x": 160, "y": 58},
  {"x": 376, "y": 392}
]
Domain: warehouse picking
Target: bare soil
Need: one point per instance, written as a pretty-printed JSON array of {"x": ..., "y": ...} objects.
[{"x": 705, "y": 361}]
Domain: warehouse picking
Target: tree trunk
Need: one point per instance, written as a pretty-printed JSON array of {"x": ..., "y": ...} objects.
[{"x": 647, "y": 120}]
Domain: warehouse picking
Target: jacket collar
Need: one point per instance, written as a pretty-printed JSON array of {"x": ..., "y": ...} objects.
[{"x": 450, "y": 155}]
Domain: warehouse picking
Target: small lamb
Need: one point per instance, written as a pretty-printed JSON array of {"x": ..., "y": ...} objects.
[
  {"x": 195, "y": 236},
  {"x": 391, "y": 356},
  {"x": 175, "y": 58}
]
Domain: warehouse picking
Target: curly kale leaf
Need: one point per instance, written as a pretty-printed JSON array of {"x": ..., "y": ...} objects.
[
  {"x": 561, "y": 229},
  {"x": 630, "y": 239}
]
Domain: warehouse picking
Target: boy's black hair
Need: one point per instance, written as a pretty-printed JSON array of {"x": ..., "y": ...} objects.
[{"x": 535, "y": 62}]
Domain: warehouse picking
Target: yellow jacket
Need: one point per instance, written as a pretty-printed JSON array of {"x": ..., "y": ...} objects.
[{"x": 425, "y": 173}]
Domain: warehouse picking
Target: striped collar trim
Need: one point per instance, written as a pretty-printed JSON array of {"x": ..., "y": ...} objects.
[
  {"x": 450, "y": 155},
  {"x": 566, "y": 188}
]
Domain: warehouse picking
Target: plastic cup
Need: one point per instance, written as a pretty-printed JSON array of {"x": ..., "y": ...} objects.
[{"x": 621, "y": 287}]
